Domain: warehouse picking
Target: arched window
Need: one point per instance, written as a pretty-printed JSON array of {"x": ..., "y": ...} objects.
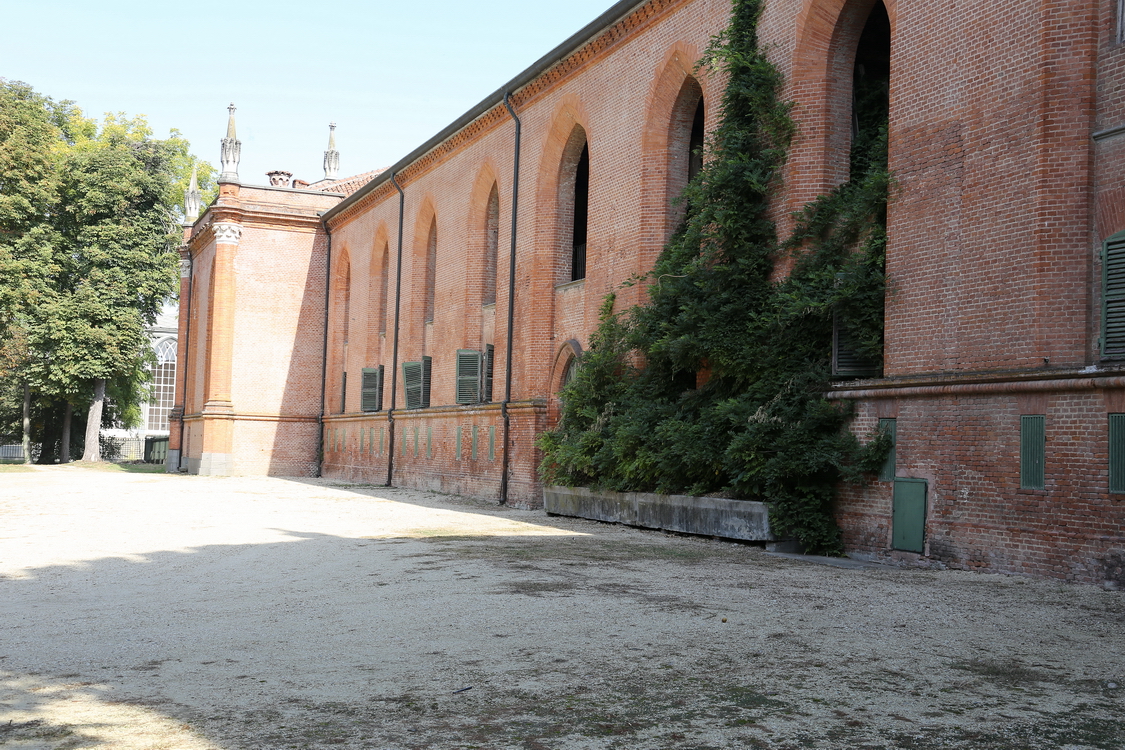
[
  {"x": 573, "y": 214},
  {"x": 686, "y": 133},
  {"x": 492, "y": 247},
  {"x": 163, "y": 386},
  {"x": 695, "y": 142},
  {"x": 581, "y": 215},
  {"x": 430, "y": 271}
]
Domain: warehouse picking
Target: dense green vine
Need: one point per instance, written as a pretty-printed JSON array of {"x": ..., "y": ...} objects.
[{"x": 638, "y": 415}]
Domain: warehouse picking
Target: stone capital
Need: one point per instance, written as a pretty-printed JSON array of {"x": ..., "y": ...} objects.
[
  {"x": 185, "y": 268},
  {"x": 227, "y": 234}
]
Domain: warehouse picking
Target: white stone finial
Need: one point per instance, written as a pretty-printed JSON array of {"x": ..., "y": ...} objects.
[
  {"x": 232, "y": 150},
  {"x": 331, "y": 156},
  {"x": 193, "y": 199}
]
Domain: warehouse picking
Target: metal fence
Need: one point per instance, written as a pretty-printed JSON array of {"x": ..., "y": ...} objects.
[{"x": 152, "y": 449}]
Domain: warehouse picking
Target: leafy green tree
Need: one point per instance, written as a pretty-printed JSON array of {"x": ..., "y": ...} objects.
[{"x": 89, "y": 218}]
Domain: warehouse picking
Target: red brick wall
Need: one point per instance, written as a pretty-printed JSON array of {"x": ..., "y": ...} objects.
[{"x": 967, "y": 447}]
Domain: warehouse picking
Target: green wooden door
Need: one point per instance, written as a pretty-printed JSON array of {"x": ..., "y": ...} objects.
[{"x": 909, "y": 532}]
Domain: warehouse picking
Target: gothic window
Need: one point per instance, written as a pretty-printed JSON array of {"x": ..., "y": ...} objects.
[
  {"x": 431, "y": 271},
  {"x": 581, "y": 215},
  {"x": 163, "y": 386}
]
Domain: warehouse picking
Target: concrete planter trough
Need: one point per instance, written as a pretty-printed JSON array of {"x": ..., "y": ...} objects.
[{"x": 745, "y": 520}]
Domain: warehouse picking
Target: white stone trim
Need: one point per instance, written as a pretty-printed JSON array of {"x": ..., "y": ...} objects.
[{"x": 227, "y": 234}]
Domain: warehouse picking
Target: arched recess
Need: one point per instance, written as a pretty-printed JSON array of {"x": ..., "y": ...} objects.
[
  {"x": 423, "y": 278},
  {"x": 676, "y": 97},
  {"x": 562, "y": 150},
  {"x": 484, "y": 242},
  {"x": 377, "y": 292},
  {"x": 566, "y": 359},
  {"x": 340, "y": 325},
  {"x": 821, "y": 83}
]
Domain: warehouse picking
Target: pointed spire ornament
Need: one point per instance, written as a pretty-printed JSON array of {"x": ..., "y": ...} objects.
[
  {"x": 331, "y": 156},
  {"x": 193, "y": 199},
  {"x": 232, "y": 151}
]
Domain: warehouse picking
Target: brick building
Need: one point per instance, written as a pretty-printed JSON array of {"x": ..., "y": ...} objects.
[{"x": 375, "y": 328}]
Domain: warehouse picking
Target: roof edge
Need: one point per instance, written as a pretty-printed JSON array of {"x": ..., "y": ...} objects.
[{"x": 583, "y": 36}]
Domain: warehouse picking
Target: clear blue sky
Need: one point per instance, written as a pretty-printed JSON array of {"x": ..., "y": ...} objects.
[{"x": 389, "y": 74}]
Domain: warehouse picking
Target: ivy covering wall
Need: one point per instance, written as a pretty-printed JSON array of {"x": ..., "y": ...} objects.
[{"x": 716, "y": 384}]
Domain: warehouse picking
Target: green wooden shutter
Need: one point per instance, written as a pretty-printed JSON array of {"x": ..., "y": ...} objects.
[
  {"x": 1117, "y": 453},
  {"x": 847, "y": 362},
  {"x": 1113, "y": 297},
  {"x": 371, "y": 396},
  {"x": 1033, "y": 451},
  {"x": 468, "y": 376},
  {"x": 412, "y": 384},
  {"x": 890, "y": 427},
  {"x": 489, "y": 364},
  {"x": 427, "y": 370}
]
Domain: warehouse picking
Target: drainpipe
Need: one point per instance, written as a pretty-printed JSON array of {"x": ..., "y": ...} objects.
[
  {"x": 394, "y": 355},
  {"x": 511, "y": 309},
  {"x": 324, "y": 352}
]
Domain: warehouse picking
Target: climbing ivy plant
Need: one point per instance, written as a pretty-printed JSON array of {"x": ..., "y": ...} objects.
[{"x": 716, "y": 383}]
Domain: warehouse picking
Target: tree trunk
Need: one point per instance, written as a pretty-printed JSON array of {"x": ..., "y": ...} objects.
[
  {"x": 26, "y": 423},
  {"x": 94, "y": 424},
  {"x": 49, "y": 438},
  {"x": 64, "y": 449}
]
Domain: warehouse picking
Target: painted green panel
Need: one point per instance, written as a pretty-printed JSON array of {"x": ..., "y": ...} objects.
[
  {"x": 890, "y": 427},
  {"x": 427, "y": 370},
  {"x": 491, "y": 443},
  {"x": 362, "y": 438},
  {"x": 371, "y": 389},
  {"x": 468, "y": 376},
  {"x": 412, "y": 384},
  {"x": 429, "y": 442},
  {"x": 1033, "y": 451},
  {"x": 380, "y": 441},
  {"x": 909, "y": 523},
  {"x": 459, "y": 428},
  {"x": 1117, "y": 453},
  {"x": 415, "y": 442},
  {"x": 474, "y": 429}
]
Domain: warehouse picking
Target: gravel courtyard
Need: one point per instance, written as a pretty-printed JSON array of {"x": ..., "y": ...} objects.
[{"x": 146, "y": 611}]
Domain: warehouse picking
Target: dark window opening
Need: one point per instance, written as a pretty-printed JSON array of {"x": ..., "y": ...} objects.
[
  {"x": 695, "y": 143},
  {"x": 871, "y": 90},
  {"x": 581, "y": 215}
]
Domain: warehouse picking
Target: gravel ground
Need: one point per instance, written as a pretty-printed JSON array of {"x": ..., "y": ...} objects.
[{"x": 150, "y": 611}]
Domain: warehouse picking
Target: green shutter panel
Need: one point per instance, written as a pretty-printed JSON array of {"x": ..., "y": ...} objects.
[
  {"x": 412, "y": 384},
  {"x": 847, "y": 362},
  {"x": 489, "y": 363},
  {"x": 371, "y": 397},
  {"x": 1033, "y": 450},
  {"x": 468, "y": 376},
  {"x": 1113, "y": 297},
  {"x": 1117, "y": 453},
  {"x": 890, "y": 427},
  {"x": 427, "y": 370}
]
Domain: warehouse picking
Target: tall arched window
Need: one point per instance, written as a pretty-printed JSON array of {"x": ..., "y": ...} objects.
[
  {"x": 492, "y": 247},
  {"x": 163, "y": 386},
  {"x": 431, "y": 271},
  {"x": 686, "y": 133},
  {"x": 581, "y": 215},
  {"x": 695, "y": 142}
]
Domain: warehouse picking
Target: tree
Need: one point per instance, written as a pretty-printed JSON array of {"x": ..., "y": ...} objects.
[{"x": 88, "y": 223}]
